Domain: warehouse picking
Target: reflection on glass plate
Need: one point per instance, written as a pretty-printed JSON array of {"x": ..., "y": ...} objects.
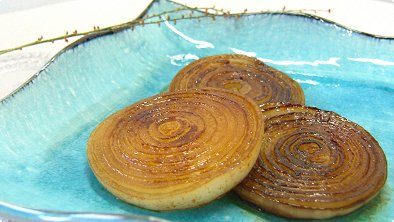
[{"x": 45, "y": 126}]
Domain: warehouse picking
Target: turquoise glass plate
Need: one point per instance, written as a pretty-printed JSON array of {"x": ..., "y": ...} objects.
[{"x": 45, "y": 125}]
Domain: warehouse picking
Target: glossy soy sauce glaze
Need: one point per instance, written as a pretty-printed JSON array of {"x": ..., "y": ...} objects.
[{"x": 44, "y": 127}]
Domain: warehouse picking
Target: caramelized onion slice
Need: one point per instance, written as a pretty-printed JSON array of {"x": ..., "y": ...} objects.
[
  {"x": 242, "y": 74},
  {"x": 177, "y": 150},
  {"x": 313, "y": 164}
]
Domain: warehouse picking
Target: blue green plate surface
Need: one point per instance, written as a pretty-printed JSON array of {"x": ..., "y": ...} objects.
[{"x": 45, "y": 125}]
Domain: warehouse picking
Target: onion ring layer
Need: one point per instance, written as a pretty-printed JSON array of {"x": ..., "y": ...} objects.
[
  {"x": 177, "y": 150},
  {"x": 242, "y": 74},
  {"x": 313, "y": 164}
]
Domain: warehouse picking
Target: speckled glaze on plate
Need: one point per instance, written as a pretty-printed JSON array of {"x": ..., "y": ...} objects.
[{"x": 45, "y": 125}]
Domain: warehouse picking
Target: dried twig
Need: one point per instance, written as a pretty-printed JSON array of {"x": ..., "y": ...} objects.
[{"x": 170, "y": 15}]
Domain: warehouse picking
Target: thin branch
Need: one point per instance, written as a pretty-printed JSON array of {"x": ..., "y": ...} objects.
[{"x": 203, "y": 12}]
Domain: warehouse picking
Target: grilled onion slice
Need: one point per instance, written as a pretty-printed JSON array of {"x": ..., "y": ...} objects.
[
  {"x": 177, "y": 150},
  {"x": 242, "y": 74},
  {"x": 313, "y": 164}
]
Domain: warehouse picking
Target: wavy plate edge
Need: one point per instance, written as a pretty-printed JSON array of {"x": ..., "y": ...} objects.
[
  {"x": 144, "y": 13},
  {"x": 26, "y": 214}
]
